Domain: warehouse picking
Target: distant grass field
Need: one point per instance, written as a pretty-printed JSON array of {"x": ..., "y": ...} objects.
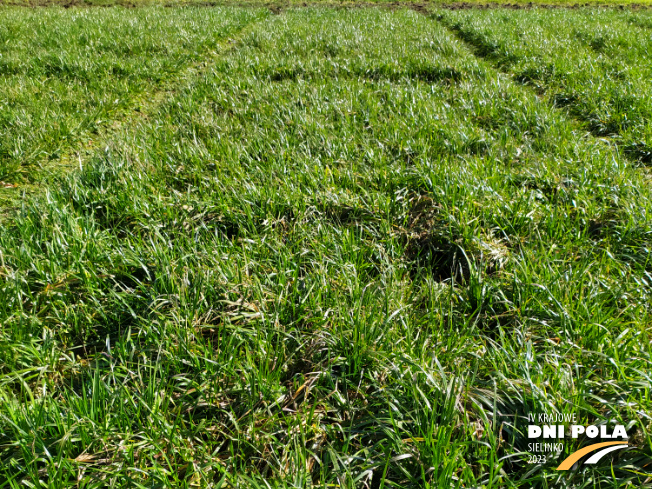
[
  {"x": 323, "y": 248},
  {"x": 599, "y": 71},
  {"x": 276, "y": 4},
  {"x": 64, "y": 75}
]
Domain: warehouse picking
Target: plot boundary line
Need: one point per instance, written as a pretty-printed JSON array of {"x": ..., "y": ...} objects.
[
  {"x": 140, "y": 107},
  {"x": 474, "y": 49}
]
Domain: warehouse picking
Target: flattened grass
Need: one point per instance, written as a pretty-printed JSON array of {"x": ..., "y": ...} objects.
[
  {"x": 594, "y": 63},
  {"x": 66, "y": 75},
  {"x": 349, "y": 253}
]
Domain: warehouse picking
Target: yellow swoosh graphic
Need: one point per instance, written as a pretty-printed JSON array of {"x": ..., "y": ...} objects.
[{"x": 574, "y": 457}]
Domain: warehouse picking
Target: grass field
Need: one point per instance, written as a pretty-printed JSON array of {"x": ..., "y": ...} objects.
[
  {"x": 276, "y": 5},
  {"x": 64, "y": 75},
  {"x": 595, "y": 65},
  {"x": 322, "y": 248}
]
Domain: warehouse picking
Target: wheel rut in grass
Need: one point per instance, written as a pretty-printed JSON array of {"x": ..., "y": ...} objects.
[
  {"x": 140, "y": 107},
  {"x": 490, "y": 50}
]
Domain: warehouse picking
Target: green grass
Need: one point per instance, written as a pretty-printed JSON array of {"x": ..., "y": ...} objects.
[
  {"x": 347, "y": 252},
  {"x": 279, "y": 4},
  {"x": 67, "y": 75},
  {"x": 593, "y": 63}
]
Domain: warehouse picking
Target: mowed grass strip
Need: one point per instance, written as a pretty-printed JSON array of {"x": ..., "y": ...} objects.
[
  {"x": 594, "y": 63},
  {"x": 66, "y": 75},
  {"x": 351, "y": 253}
]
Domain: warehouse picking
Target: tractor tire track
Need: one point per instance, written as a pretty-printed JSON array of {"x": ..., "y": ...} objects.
[{"x": 140, "y": 109}]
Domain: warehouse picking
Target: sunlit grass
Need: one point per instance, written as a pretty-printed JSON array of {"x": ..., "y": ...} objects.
[
  {"x": 67, "y": 75},
  {"x": 348, "y": 253},
  {"x": 592, "y": 63}
]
